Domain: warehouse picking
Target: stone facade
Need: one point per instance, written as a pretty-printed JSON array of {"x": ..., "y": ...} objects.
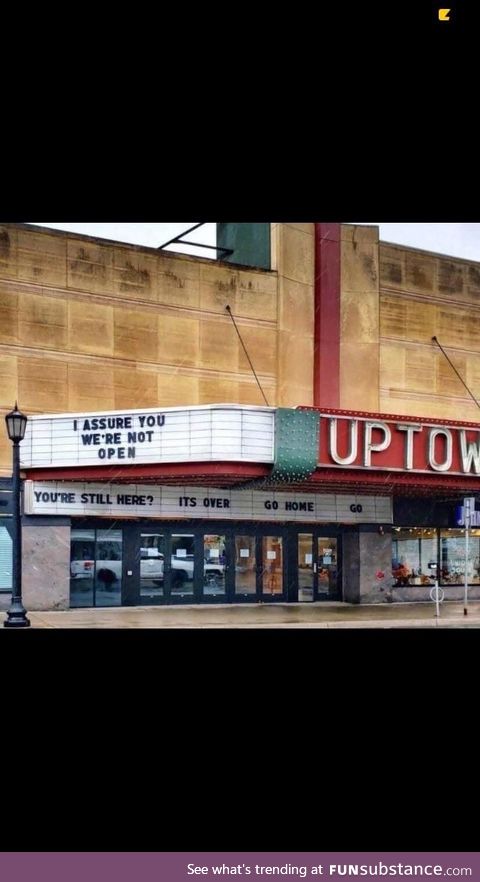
[
  {"x": 423, "y": 295},
  {"x": 46, "y": 566},
  {"x": 359, "y": 319},
  {"x": 367, "y": 566}
]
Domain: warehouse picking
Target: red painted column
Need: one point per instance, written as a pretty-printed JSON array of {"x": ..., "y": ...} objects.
[{"x": 326, "y": 363}]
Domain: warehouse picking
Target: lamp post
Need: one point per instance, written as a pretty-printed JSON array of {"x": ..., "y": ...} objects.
[{"x": 16, "y": 615}]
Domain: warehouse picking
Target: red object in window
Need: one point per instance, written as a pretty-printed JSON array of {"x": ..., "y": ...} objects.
[{"x": 380, "y": 575}]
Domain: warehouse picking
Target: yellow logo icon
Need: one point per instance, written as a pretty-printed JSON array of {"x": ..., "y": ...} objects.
[{"x": 444, "y": 14}]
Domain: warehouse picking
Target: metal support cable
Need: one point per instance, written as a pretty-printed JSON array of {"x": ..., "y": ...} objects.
[
  {"x": 179, "y": 240},
  {"x": 246, "y": 353},
  {"x": 454, "y": 368},
  {"x": 185, "y": 233}
]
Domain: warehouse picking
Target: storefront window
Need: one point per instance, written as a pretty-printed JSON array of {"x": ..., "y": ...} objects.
[
  {"x": 108, "y": 569},
  {"x": 82, "y": 567},
  {"x": 414, "y": 556},
  {"x": 416, "y": 559},
  {"x": 452, "y": 557},
  {"x": 95, "y": 567}
]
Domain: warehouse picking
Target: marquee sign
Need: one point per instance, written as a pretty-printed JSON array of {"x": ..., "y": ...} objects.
[
  {"x": 398, "y": 444},
  {"x": 149, "y": 501},
  {"x": 128, "y": 437},
  {"x": 294, "y": 441}
]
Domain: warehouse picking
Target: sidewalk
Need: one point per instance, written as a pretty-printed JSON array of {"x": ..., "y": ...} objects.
[{"x": 297, "y": 615}]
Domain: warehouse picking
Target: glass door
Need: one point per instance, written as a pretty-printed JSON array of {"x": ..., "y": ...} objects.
[
  {"x": 271, "y": 568},
  {"x": 152, "y": 562},
  {"x": 306, "y": 568},
  {"x": 327, "y": 568},
  {"x": 258, "y": 567},
  {"x": 182, "y": 566},
  {"x": 245, "y": 568},
  {"x": 214, "y": 566},
  {"x": 317, "y": 567}
]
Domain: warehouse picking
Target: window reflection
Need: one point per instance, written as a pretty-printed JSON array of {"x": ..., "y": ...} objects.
[
  {"x": 414, "y": 556},
  {"x": 327, "y": 565},
  {"x": 182, "y": 564},
  {"x": 82, "y": 567},
  {"x": 272, "y": 565},
  {"x": 95, "y": 567},
  {"x": 108, "y": 570},
  {"x": 305, "y": 567},
  {"x": 152, "y": 556},
  {"x": 245, "y": 565},
  {"x": 452, "y": 557},
  {"x": 214, "y": 560}
]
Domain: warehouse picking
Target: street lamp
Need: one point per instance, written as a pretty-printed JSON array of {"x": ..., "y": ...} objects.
[{"x": 16, "y": 615}]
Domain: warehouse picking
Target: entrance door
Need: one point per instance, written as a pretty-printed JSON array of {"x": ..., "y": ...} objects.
[
  {"x": 214, "y": 567},
  {"x": 327, "y": 568},
  {"x": 245, "y": 568},
  {"x": 271, "y": 568},
  {"x": 220, "y": 563},
  {"x": 318, "y": 575},
  {"x": 163, "y": 566},
  {"x": 258, "y": 566},
  {"x": 306, "y": 570},
  {"x": 152, "y": 567},
  {"x": 172, "y": 565},
  {"x": 181, "y": 568}
]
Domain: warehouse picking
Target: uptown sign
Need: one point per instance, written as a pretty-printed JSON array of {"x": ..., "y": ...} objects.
[{"x": 398, "y": 445}]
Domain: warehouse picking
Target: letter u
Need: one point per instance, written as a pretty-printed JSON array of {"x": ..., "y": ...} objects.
[{"x": 353, "y": 443}]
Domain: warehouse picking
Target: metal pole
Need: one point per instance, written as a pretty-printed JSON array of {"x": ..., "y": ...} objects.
[
  {"x": 16, "y": 615},
  {"x": 467, "y": 526},
  {"x": 437, "y": 599}
]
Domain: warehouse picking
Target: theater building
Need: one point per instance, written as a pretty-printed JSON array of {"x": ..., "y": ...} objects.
[{"x": 160, "y": 468}]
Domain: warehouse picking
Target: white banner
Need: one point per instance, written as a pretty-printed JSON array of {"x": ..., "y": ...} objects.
[
  {"x": 149, "y": 501},
  {"x": 194, "y": 434}
]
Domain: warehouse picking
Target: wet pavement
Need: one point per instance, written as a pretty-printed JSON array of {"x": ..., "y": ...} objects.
[{"x": 296, "y": 615}]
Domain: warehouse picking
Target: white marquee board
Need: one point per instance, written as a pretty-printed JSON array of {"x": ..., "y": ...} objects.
[
  {"x": 131, "y": 437},
  {"x": 152, "y": 501}
]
